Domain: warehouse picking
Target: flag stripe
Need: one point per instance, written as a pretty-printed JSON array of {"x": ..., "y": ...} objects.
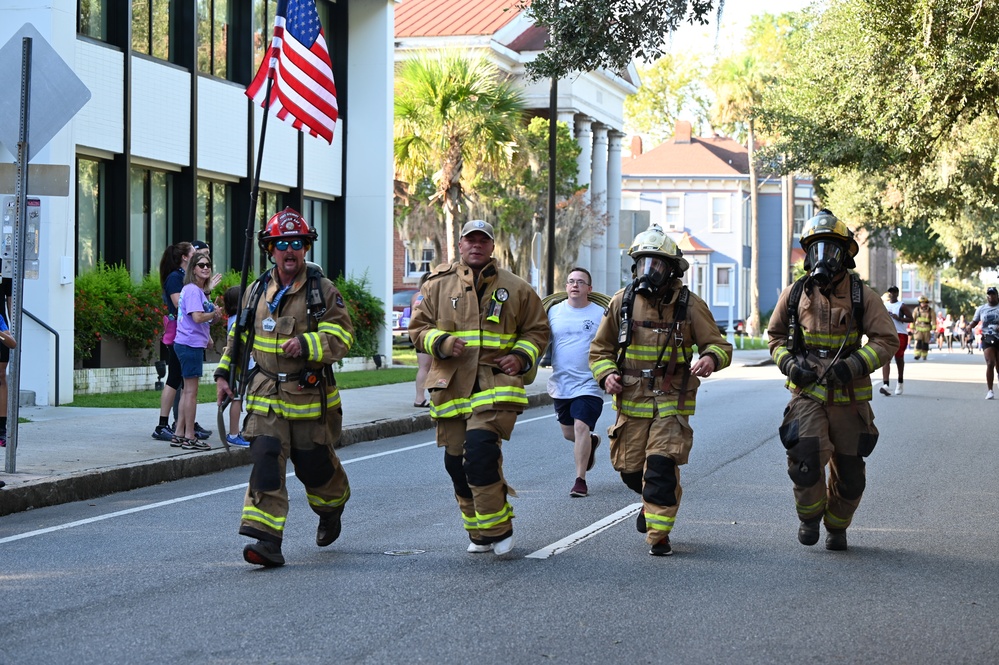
[{"x": 303, "y": 92}]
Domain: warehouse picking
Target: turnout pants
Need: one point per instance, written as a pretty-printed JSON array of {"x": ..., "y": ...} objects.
[
  {"x": 648, "y": 453},
  {"x": 309, "y": 445},
  {"x": 840, "y": 437},
  {"x": 474, "y": 461},
  {"x": 921, "y": 340}
]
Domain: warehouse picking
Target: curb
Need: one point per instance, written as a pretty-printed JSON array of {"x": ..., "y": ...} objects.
[{"x": 85, "y": 485}]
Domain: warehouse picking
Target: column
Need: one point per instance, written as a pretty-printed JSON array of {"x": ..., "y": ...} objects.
[
  {"x": 584, "y": 137},
  {"x": 598, "y": 199},
  {"x": 614, "y": 272}
]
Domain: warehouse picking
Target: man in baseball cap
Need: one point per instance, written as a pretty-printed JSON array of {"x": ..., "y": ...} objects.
[{"x": 478, "y": 225}]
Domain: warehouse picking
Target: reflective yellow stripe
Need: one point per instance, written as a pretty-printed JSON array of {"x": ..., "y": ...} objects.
[
  {"x": 469, "y": 522},
  {"x": 320, "y": 503},
  {"x": 870, "y": 358},
  {"x": 649, "y": 408},
  {"x": 337, "y": 331},
  {"x": 465, "y": 405},
  {"x": 810, "y": 510},
  {"x": 841, "y": 395},
  {"x": 529, "y": 348},
  {"x": 489, "y": 520},
  {"x": 659, "y": 522},
  {"x": 599, "y": 367},
  {"x": 723, "y": 358},
  {"x": 836, "y": 522},
  {"x": 308, "y": 411},
  {"x": 829, "y": 341},
  {"x": 254, "y": 514}
]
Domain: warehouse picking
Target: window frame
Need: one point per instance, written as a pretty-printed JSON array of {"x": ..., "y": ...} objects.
[{"x": 725, "y": 225}]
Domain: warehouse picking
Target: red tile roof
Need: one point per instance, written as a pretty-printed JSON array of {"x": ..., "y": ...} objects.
[
  {"x": 448, "y": 18},
  {"x": 688, "y": 243},
  {"x": 701, "y": 156}
]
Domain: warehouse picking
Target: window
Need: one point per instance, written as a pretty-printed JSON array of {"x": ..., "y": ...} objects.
[
  {"x": 723, "y": 284},
  {"x": 698, "y": 279},
  {"x": 263, "y": 25},
  {"x": 802, "y": 213},
  {"x": 89, "y": 213},
  {"x": 672, "y": 213},
  {"x": 720, "y": 215},
  {"x": 213, "y": 37},
  {"x": 268, "y": 205},
  {"x": 150, "y": 219},
  {"x": 419, "y": 260},
  {"x": 92, "y": 21},
  {"x": 151, "y": 27},
  {"x": 317, "y": 213},
  {"x": 214, "y": 220}
]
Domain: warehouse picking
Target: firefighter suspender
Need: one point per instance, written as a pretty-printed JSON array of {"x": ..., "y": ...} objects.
[
  {"x": 795, "y": 336},
  {"x": 674, "y": 339}
]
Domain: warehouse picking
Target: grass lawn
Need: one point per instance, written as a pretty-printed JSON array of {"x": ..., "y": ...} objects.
[{"x": 150, "y": 399}]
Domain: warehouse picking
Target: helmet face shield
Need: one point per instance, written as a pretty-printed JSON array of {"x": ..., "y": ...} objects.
[
  {"x": 826, "y": 260},
  {"x": 653, "y": 268}
]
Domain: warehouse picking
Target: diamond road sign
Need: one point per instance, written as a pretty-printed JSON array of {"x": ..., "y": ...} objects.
[{"x": 57, "y": 94}]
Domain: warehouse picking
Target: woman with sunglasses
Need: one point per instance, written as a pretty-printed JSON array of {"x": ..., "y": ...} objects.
[{"x": 194, "y": 319}]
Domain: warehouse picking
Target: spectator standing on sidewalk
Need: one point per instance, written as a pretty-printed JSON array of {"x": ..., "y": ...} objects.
[
  {"x": 901, "y": 317},
  {"x": 577, "y": 396},
  {"x": 484, "y": 327},
  {"x": 173, "y": 266},
  {"x": 988, "y": 316},
  {"x": 195, "y": 315},
  {"x": 6, "y": 292},
  {"x": 230, "y": 303},
  {"x": 298, "y": 328},
  {"x": 816, "y": 339}
]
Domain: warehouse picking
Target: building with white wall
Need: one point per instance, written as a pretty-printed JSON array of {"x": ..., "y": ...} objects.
[
  {"x": 590, "y": 103},
  {"x": 164, "y": 150}
]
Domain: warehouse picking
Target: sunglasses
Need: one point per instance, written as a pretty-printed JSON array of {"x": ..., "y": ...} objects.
[
  {"x": 203, "y": 265},
  {"x": 282, "y": 245},
  {"x": 573, "y": 282}
]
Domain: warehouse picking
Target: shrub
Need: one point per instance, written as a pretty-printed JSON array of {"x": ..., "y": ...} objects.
[
  {"x": 108, "y": 303},
  {"x": 367, "y": 313}
]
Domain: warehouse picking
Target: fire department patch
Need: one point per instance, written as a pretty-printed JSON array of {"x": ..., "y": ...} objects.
[
  {"x": 339, "y": 300},
  {"x": 289, "y": 225}
]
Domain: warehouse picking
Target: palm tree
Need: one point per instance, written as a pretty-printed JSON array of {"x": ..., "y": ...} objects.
[
  {"x": 738, "y": 84},
  {"x": 453, "y": 113}
]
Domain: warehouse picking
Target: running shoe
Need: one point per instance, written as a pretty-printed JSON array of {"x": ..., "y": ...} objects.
[
  {"x": 237, "y": 440},
  {"x": 898, "y": 389},
  {"x": 989, "y": 395},
  {"x": 594, "y": 442},
  {"x": 200, "y": 432},
  {"x": 163, "y": 433},
  {"x": 578, "y": 488},
  {"x": 884, "y": 390},
  {"x": 662, "y": 548}
]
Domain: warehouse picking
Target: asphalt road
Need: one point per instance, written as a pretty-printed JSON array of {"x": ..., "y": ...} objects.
[{"x": 156, "y": 575}]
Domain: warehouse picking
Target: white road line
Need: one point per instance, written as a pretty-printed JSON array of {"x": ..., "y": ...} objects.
[
  {"x": 191, "y": 497},
  {"x": 572, "y": 540}
]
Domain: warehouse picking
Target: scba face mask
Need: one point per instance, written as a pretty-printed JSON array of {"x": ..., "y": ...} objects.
[
  {"x": 651, "y": 272},
  {"x": 826, "y": 260}
]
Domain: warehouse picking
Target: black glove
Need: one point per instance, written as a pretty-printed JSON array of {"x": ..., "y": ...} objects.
[
  {"x": 846, "y": 370},
  {"x": 800, "y": 375}
]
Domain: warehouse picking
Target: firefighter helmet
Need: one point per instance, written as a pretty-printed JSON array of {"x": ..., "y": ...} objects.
[
  {"x": 826, "y": 226},
  {"x": 923, "y": 299},
  {"x": 287, "y": 224},
  {"x": 654, "y": 242}
]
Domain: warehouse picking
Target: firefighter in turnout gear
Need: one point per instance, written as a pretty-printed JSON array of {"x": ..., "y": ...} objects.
[
  {"x": 816, "y": 339},
  {"x": 484, "y": 327},
  {"x": 923, "y": 321},
  {"x": 297, "y": 326},
  {"x": 643, "y": 355}
]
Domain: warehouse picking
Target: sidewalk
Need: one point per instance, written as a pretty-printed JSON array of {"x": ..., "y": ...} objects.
[{"x": 72, "y": 454}]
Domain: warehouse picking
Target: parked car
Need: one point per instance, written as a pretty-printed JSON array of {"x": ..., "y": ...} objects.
[
  {"x": 740, "y": 327},
  {"x": 401, "y": 300}
]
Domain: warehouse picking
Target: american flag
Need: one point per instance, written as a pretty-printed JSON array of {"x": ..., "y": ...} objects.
[{"x": 303, "y": 92}]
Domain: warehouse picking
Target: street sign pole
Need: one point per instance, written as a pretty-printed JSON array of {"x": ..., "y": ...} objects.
[{"x": 20, "y": 226}]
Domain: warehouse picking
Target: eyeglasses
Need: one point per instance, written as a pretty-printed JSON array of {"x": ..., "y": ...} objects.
[
  {"x": 576, "y": 282},
  {"x": 203, "y": 265},
  {"x": 282, "y": 245}
]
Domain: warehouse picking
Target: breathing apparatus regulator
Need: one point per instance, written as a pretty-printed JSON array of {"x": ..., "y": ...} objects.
[
  {"x": 657, "y": 261},
  {"x": 829, "y": 247}
]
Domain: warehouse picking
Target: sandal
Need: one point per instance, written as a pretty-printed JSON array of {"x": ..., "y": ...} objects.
[
  {"x": 425, "y": 404},
  {"x": 195, "y": 444},
  {"x": 177, "y": 441}
]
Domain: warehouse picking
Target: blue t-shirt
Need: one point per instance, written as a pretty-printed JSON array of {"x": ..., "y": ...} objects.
[
  {"x": 174, "y": 284},
  {"x": 3, "y": 324}
]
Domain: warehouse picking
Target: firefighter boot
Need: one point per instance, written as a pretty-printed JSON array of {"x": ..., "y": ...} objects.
[
  {"x": 264, "y": 553},
  {"x": 329, "y": 528},
  {"x": 836, "y": 539},
  {"x": 808, "y": 531}
]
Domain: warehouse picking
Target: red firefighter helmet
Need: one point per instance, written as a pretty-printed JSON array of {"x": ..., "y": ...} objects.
[{"x": 288, "y": 225}]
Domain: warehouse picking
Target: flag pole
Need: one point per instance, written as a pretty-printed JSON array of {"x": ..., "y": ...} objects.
[{"x": 239, "y": 366}]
